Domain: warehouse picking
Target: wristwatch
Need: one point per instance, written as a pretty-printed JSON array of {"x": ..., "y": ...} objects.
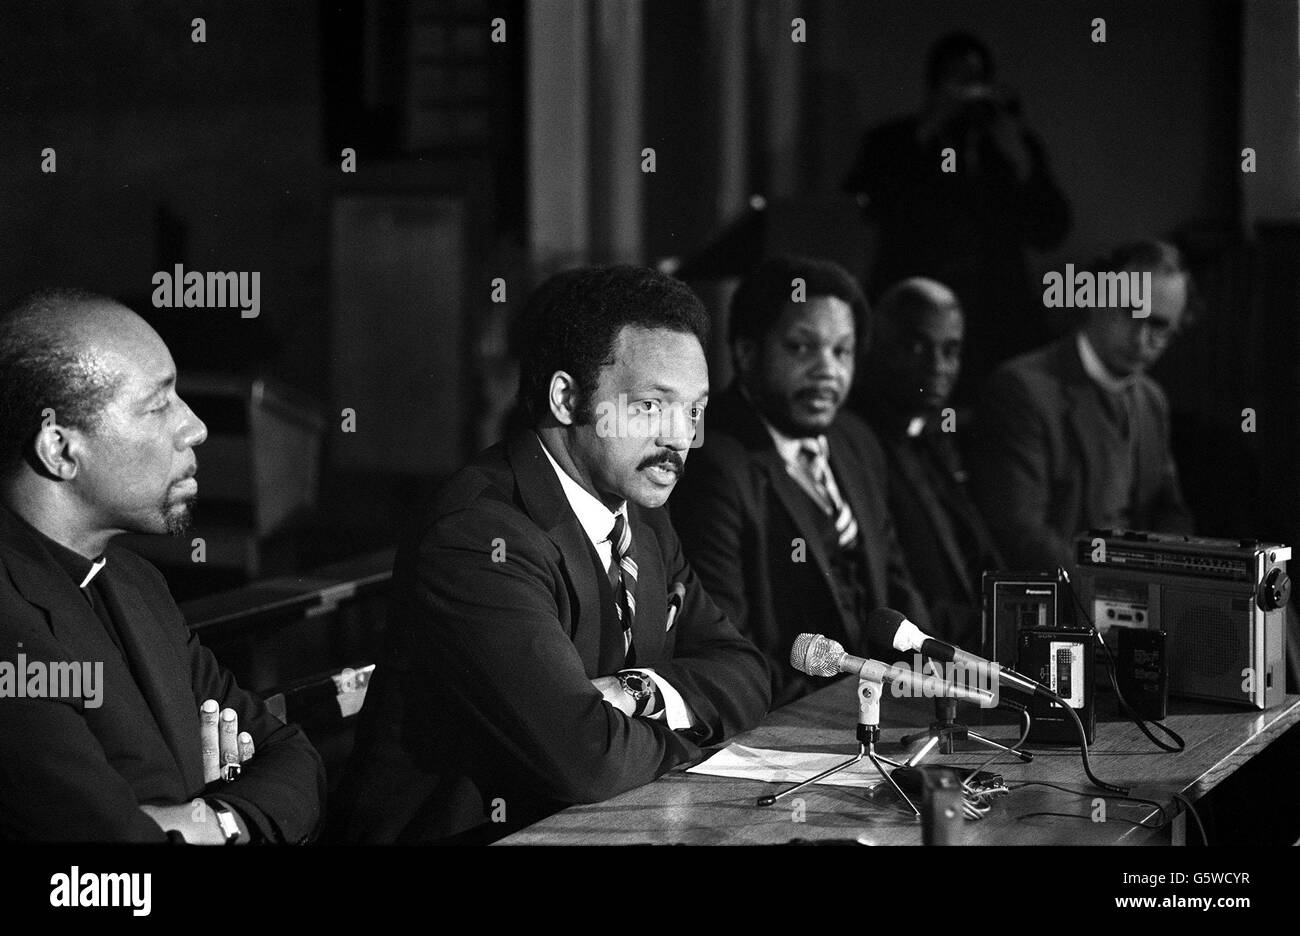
[
  {"x": 229, "y": 826},
  {"x": 641, "y": 688}
]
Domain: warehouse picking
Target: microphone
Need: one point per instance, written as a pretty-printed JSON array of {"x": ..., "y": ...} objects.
[
  {"x": 887, "y": 627},
  {"x": 820, "y": 656}
]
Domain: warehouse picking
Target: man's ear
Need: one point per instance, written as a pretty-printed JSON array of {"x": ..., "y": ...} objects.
[
  {"x": 563, "y": 398},
  {"x": 744, "y": 355},
  {"x": 57, "y": 451}
]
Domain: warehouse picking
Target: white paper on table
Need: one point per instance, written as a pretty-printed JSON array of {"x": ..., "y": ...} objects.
[{"x": 749, "y": 763}]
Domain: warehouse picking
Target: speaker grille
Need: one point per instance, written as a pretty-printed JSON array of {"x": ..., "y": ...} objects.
[{"x": 1208, "y": 650}]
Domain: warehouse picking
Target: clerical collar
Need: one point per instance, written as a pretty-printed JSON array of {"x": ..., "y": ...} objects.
[
  {"x": 1096, "y": 370},
  {"x": 80, "y": 569}
]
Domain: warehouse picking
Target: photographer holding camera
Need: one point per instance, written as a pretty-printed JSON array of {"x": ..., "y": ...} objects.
[{"x": 957, "y": 192}]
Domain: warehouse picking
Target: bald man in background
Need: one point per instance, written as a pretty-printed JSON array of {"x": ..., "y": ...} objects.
[
  {"x": 109, "y": 724},
  {"x": 906, "y": 385}
]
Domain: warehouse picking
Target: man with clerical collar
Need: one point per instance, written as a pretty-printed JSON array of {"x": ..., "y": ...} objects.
[
  {"x": 913, "y": 365},
  {"x": 784, "y": 511},
  {"x": 548, "y": 643},
  {"x": 1075, "y": 436},
  {"x": 94, "y": 442}
]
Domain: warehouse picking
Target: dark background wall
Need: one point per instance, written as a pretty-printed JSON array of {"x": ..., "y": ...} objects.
[
  {"x": 172, "y": 151},
  {"x": 224, "y": 155}
]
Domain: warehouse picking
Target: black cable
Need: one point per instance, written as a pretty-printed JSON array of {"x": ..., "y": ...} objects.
[
  {"x": 1064, "y": 815},
  {"x": 1179, "y": 744},
  {"x": 1083, "y": 747},
  {"x": 1205, "y": 840},
  {"x": 1164, "y": 813}
]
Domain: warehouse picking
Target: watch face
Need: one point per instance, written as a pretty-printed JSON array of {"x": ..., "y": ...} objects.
[{"x": 635, "y": 685}]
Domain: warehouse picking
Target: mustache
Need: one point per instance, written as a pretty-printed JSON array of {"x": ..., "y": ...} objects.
[
  {"x": 670, "y": 458},
  {"x": 833, "y": 389}
]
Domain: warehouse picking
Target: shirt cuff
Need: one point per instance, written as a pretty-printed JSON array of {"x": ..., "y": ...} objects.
[{"x": 675, "y": 711}]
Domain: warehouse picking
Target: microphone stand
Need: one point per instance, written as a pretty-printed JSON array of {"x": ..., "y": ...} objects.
[
  {"x": 945, "y": 730},
  {"x": 869, "y": 693}
]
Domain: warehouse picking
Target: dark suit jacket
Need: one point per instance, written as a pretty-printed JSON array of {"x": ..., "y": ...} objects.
[
  {"x": 482, "y": 706},
  {"x": 73, "y": 773},
  {"x": 945, "y": 539},
  {"x": 738, "y": 512},
  {"x": 1039, "y": 458}
]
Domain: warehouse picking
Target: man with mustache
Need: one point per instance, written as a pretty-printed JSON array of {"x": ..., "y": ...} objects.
[
  {"x": 1075, "y": 436},
  {"x": 95, "y": 441},
  {"x": 784, "y": 510},
  {"x": 548, "y": 642},
  {"x": 913, "y": 365}
]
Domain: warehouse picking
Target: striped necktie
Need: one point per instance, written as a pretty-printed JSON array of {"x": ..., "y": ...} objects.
[
  {"x": 819, "y": 470},
  {"x": 622, "y": 578}
]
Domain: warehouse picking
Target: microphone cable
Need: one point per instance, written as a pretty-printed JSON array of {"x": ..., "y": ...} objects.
[
  {"x": 1165, "y": 817},
  {"x": 1179, "y": 745},
  {"x": 1083, "y": 748}
]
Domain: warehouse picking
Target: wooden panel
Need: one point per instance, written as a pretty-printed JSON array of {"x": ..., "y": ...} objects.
[{"x": 397, "y": 286}]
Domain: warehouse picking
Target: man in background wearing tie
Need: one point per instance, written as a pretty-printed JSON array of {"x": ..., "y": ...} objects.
[
  {"x": 1075, "y": 436},
  {"x": 914, "y": 363},
  {"x": 784, "y": 510},
  {"x": 548, "y": 642}
]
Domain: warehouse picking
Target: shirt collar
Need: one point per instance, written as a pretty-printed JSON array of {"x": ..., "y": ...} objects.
[
  {"x": 1096, "y": 370},
  {"x": 80, "y": 569},
  {"x": 789, "y": 447},
  {"x": 596, "y": 519}
]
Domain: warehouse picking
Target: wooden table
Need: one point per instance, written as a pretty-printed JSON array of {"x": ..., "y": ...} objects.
[{"x": 681, "y": 807}]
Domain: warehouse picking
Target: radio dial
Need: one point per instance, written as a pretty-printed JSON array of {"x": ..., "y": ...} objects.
[{"x": 1274, "y": 590}]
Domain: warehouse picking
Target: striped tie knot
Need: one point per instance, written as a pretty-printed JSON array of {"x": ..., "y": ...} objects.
[{"x": 835, "y": 506}]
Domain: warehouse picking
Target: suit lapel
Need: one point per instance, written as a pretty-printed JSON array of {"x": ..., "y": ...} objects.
[
  {"x": 802, "y": 510},
  {"x": 735, "y": 412},
  {"x": 938, "y": 507},
  {"x": 1082, "y": 420},
  {"x": 648, "y": 633},
  {"x": 43, "y": 583},
  {"x": 1146, "y": 431},
  {"x": 593, "y": 625},
  {"x": 166, "y": 687}
]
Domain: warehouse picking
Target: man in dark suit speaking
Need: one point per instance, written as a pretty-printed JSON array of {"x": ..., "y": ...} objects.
[
  {"x": 548, "y": 643},
  {"x": 115, "y": 724},
  {"x": 784, "y": 511}
]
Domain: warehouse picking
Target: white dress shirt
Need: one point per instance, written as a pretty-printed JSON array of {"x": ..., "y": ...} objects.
[
  {"x": 597, "y": 521},
  {"x": 789, "y": 449},
  {"x": 1095, "y": 369}
]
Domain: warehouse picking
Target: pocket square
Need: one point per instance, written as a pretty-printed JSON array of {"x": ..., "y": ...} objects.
[{"x": 675, "y": 601}]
